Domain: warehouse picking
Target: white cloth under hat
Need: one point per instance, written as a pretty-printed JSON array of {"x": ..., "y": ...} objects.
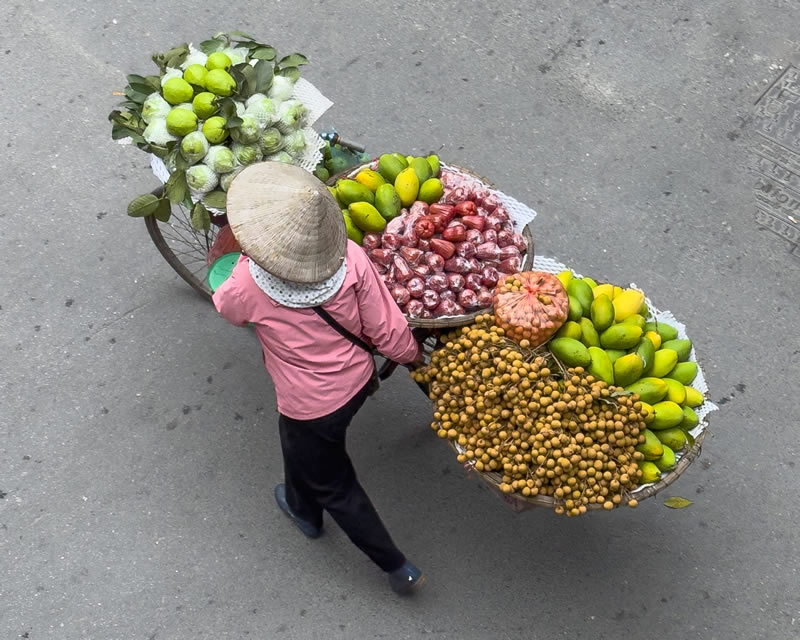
[{"x": 297, "y": 295}]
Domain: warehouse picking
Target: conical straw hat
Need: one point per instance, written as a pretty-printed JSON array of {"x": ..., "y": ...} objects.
[{"x": 287, "y": 222}]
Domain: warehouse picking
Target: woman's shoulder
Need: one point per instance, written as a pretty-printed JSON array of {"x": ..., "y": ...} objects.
[{"x": 241, "y": 279}]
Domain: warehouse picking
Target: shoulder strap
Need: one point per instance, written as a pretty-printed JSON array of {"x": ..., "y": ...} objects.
[{"x": 327, "y": 317}]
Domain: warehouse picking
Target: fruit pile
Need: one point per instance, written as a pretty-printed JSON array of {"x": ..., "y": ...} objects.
[
  {"x": 607, "y": 332},
  {"x": 440, "y": 242},
  {"x": 543, "y": 429},
  {"x": 210, "y": 112},
  {"x": 586, "y": 418}
]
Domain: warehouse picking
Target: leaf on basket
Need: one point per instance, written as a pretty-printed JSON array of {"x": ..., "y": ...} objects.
[
  {"x": 142, "y": 206},
  {"x": 120, "y": 133},
  {"x": 163, "y": 211},
  {"x": 201, "y": 220},
  {"x": 181, "y": 163},
  {"x": 245, "y": 77},
  {"x": 264, "y": 53},
  {"x": 240, "y": 34},
  {"x": 264, "y": 73},
  {"x": 177, "y": 56},
  {"x": 215, "y": 200},
  {"x": 289, "y": 72},
  {"x": 141, "y": 87},
  {"x": 176, "y": 186},
  {"x": 210, "y": 46},
  {"x": 676, "y": 502},
  {"x": 227, "y": 109},
  {"x": 154, "y": 82},
  {"x": 133, "y": 79},
  {"x": 293, "y": 60}
]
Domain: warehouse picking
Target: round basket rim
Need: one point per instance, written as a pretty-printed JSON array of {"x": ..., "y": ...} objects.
[
  {"x": 450, "y": 322},
  {"x": 493, "y": 479}
]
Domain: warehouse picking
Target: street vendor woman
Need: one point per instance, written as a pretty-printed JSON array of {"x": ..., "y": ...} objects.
[{"x": 317, "y": 305}]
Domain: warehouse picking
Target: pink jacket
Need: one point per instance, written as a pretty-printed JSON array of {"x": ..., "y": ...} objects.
[{"x": 315, "y": 370}]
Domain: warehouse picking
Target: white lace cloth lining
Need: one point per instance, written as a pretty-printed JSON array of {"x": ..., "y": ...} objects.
[{"x": 294, "y": 294}]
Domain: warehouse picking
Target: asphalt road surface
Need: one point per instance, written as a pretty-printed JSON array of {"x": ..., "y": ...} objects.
[{"x": 138, "y": 440}]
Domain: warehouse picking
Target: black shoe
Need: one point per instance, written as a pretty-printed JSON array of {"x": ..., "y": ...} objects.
[
  {"x": 406, "y": 579},
  {"x": 304, "y": 525}
]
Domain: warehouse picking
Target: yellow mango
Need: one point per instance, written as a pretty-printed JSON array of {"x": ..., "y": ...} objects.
[
  {"x": 404, "y": 160},
  {"x": 650, "y": 472},
  {"x": 601, "y": 367},
  {"x": 663, "y": 362},
  {"x": 564, "y": 278},
  {"x": 651, "y": 447},
  {"x": 667, "y": 332},
  {"x": 407, "y": 186},
  {"x": 668, "y": 415},
  {"x": 390, "y": 167},
  {"x": 617, "y": 291},
  {"x": 370, "y": 179},
  {"x": 431, "y": 190},
  {"x": 604, "y": 290},
  {"x": 627, "y": 303},
  {"x": 674, "y": 438},
  {"x": 589, "y": 335},
  {"x": 387, "y": 202},
  {"x": 684, "y": 372},
  {"x": 647, "y": 352},
  {"x": 339, "y": 201},
  {"x": 366, "y": 217},
  {"x": 690, "y": 419},
  {"x": 682, "y": 347},
  {"x": 676, "y": 392},
  {"x": 650, "y": 390},
  {"x": 422, "y": 169},
  {"x": 693, "y": 397},
  {"x": 569, "y": 329},
  {"x": 350, "y": 191},
  {"x": 570, "y": 352},
  {"x": 667, "y": 460},
  {"x": 627, "y": 369},
  {"x": 580, "y": 290},
  {"x": 575, "y": 312},
  {"x": 353, "y": 232},
  {"x": 621, "y": 336},
  {"x": 654, "y": 338},
  {"x": 433, "y": 161},
  {"x": 648, "y": 413},
  {"x": 602, "y": 312},
  {"x": 635, "y": 320}
]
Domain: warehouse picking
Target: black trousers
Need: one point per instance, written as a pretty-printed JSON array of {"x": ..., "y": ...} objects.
[{"x": 319, "y": 476}]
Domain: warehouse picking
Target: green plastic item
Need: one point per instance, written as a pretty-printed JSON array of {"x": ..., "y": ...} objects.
[{"x": 221, "y": 269}]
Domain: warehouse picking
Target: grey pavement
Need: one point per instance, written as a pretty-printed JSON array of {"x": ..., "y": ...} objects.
[{"x": 138, "y": 441}]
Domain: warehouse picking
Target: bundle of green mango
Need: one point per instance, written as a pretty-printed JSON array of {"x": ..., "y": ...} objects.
[{"x": 611, "y": 333}]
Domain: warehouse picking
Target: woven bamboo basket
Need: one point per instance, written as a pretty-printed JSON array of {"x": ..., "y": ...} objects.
[
  {"x": 521, "y": 503},
  {"x": 467, "y": 318}
]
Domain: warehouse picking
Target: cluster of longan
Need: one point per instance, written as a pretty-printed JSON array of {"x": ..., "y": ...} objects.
[{"x": 544, "y": 430}]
